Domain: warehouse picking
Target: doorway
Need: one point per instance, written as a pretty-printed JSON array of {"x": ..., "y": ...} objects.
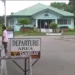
[{"x": 44, "y": 23}]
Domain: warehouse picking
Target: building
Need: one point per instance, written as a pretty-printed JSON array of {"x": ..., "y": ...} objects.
[{"x": 41, "y": 15}]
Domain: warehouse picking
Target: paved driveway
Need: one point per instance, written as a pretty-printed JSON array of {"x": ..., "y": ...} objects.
[{"x": 57, "y": 58}]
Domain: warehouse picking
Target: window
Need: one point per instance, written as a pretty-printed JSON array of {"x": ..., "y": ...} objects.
[
  {"x": 12, "y": 22},
  {"x": 46, "y": 15},
  {"x": 69, "y": 21},
  {"x": 64, "y": 21}
]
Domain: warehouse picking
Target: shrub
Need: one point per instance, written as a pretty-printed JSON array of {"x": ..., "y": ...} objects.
[
  {"x": 63, "y": 27},
  {"x": 9, "y": 28},
  {"x": 72, "y": 30},
  {"x": 53, "y": 25},
  {"x": 26, "y": 29},
  {"x": 29, "y": 27}
]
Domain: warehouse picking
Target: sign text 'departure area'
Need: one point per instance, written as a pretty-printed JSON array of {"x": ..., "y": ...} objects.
[{"x": 25, "y": 46}]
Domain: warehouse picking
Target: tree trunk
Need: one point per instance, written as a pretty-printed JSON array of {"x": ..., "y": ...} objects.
[{"x": 53, "y": 30}]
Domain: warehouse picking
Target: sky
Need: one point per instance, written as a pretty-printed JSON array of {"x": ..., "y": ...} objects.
[{"x": 15, "y": 6}]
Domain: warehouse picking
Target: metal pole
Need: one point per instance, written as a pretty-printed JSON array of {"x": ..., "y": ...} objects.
[{"x": 25, "y": 67}]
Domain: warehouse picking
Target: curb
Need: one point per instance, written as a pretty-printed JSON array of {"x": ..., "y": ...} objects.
[{"x": 65, "y": 39}]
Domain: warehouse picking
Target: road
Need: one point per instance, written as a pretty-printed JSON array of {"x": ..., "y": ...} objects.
[{"x": 57, "y": 58}]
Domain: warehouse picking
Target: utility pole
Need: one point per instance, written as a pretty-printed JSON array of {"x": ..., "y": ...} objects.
[{"x": 4, "y": 1}]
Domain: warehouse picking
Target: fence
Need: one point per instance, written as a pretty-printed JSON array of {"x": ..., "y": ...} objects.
[{"x": 3, "y": 59}]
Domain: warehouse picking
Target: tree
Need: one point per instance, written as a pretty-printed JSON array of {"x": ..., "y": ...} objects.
[
  {"x": 53, "y": 26},
  {"x": 58, "y": 5},
  {"x": 24, "y": 22},
  {"x": 1, "y": 19},
  {"x": 63, "y": 6},
  {"x": 67, "y": 7},
  {"x": 72, "y": 2}
]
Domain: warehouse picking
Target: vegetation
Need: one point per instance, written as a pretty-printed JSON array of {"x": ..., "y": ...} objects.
[
  {"x": 53, "y": 26},
  {"x": 69, "y": 33},
  {"x": 72, "y": 2},
  {"x": 63, "y": 6},
  {"x": 70, "y": 7},
  {"x": 0, "y": 30},
  {"x": 63, "y": 27},
  {"x": 1, "y": 20},
  {"x": 30, "y": 33},
  {"x": 23, "y": 22}
]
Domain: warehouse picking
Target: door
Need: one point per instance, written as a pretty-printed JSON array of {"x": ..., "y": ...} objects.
[
  {"x": 42, "y": 23},
  {"x": 46, "y": 24}
]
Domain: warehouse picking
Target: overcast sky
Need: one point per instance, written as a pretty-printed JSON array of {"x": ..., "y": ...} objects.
[{"x": 14, "y": 6}]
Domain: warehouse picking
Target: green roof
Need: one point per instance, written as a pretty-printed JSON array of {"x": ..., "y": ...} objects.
[{"x": 39, "y": 7}]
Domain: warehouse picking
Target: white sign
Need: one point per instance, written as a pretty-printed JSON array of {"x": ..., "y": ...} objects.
[
  {"x": 25, "y": 45},
  {"x": 10, "y": 34}
]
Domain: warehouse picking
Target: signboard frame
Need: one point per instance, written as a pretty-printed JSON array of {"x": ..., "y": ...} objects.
[
  {"x": 13, "y": 57},
  {"x": 32, "y": 56}
]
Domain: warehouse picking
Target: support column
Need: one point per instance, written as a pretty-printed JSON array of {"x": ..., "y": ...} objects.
[
  {"x": 36, "y": 23},
  {"x": 56, "y": 21}
]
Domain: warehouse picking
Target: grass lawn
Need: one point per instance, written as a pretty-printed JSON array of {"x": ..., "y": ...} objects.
[
  {"x": 36, "y": 33},
  {"x": 69, "y": 33},
  {"x": 29, "y": 33},
  {"x": 0, "y": 30},
  {"x": 40, "y": 33}
]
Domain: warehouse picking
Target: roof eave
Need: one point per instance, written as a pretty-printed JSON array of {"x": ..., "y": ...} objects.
[
  {"x": 68, "y": 16},
  {"x": 19, "y": 15}
]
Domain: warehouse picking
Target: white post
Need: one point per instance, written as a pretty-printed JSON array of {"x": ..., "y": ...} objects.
[
  {"x": 62, "y": 33},
  {"x": 4, "y": 1},
  {"x": 56, "y": 21},
  {"x": 36, "y": 23},
  {"x": 30, "y": 65},
  {"x": 5, "y": 13}
]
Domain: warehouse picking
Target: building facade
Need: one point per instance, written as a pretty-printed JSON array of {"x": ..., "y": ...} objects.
[{"x": 41, "y": 16}]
